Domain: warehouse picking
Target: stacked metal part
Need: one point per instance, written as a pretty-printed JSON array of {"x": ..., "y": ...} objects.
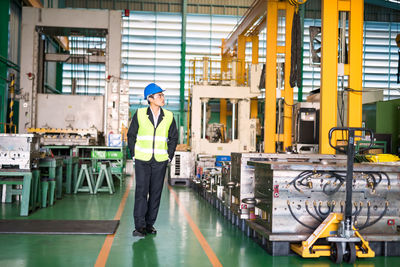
[
  {"x": 293, "y": 199},
  {"x": 19, "y": 151},
  {"x": 280, "y": 199},
  {"x": 67, "y": 137}
]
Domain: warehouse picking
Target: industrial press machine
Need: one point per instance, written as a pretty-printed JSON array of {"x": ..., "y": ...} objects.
[{"x": 71, "y": 119}]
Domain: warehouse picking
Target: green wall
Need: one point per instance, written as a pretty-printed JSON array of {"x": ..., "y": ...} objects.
[{"x": 384, "y": 117}]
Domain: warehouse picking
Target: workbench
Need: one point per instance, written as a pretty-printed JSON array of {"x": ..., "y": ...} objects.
[{"x": 29, "y": 179}]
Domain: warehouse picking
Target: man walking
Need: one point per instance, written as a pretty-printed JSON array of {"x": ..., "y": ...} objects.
[{"x": 152, "y": 140}]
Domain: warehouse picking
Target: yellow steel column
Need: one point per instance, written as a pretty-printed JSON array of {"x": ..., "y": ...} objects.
[
  {"x": 253, "y": 108},
  {"x": 241, "y": 56},
  {"x": 288, "y": 91},
  {"x": 254, "y": 60},
  {"x": 224, "y": 75},
  {"x": 224, "y": 60},
  {"x": 222, "y": 111},
  {"x": 354, "y": 115},
  {"x": 254, "y": 49},
  {"x": 329, "y": 63},
  {"x": 270, "y": 78}
]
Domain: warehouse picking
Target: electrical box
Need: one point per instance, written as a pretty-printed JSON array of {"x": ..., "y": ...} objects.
[
  {"x": 182, "y": 165},
  {"x": 306, "y": 125}
]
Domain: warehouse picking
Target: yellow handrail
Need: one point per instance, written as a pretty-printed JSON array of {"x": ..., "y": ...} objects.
[{"x": 214, "y": 73}]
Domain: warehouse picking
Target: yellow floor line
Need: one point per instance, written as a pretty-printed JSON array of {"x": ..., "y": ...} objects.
[{"x": 203, "y": 242}]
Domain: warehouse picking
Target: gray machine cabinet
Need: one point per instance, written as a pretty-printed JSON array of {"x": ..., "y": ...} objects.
[{"x": 182, "y": 165}]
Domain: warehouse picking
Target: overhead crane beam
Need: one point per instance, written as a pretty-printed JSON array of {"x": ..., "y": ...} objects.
[
  {"x": 252, "y": 15},
  {"x": 262, "y": 23}
]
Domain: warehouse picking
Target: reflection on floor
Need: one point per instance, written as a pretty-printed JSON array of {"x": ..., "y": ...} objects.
[{"x": 176, "y": 243}]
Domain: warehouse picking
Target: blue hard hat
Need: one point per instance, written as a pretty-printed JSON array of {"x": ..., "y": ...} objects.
[{"x": 152, "y": 89}]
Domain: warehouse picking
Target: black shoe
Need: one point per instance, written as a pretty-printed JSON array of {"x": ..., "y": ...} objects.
[
  {"x": 151, "y": 230},
  {"x": 139, "y": 232}
]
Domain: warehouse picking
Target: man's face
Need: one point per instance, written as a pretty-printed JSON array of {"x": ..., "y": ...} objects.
[{"x": 157, "y": 99}]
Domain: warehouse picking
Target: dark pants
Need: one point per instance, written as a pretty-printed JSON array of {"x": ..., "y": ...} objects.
[{"x": 149, "y": 177}]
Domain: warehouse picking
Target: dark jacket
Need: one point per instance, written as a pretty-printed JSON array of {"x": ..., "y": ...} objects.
[{"x": 172, "y": 133}]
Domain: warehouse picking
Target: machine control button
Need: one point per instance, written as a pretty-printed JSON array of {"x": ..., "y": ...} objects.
[{"x": 390, "y": 222}]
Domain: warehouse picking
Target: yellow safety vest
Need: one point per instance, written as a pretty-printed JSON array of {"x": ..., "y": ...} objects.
[{"x": 152, "y": 140}]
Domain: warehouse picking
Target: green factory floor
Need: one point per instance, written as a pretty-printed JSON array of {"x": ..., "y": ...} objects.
[{"x": 190, "y": 233}]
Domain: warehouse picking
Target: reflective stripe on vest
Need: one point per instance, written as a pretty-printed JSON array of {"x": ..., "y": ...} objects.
[{"x": 151, "y": 141}]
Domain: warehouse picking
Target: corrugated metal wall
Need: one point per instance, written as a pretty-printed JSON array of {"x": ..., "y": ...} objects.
[
  {"x": 379, "y": 59},
  {"x": 151, "y": 47},
  {"x": 371, "y": 12},
  {"x": 151, "y": 53}
]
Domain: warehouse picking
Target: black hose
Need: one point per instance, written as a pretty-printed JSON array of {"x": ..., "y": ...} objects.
[
  {"x": 380, "y": 178},
  {"x": 334, "y": 191},
  {"x": 376, "y": 220},
  {"x": 333, "y": 204},
  {"x": 301, "y": 175},
  {"x": 291, "y": 212},
  {"x": 312, "y": 215},
  {"x": 355, "y": 210},
  {"x": 339, "y": 178},
  {"x": 358, "y": 213},
  {"x": 387, "y": 177},
  {"x": 373, "y": 180},
  {"x": 325, "y": 214},
  {"x": 368, "y": 217},
  {"x": 317, "y": 212}
]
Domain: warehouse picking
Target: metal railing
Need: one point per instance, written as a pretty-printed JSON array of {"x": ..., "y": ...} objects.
[
  {"x": 209, "y": 71},
  {"x": 8, "y": 127}
]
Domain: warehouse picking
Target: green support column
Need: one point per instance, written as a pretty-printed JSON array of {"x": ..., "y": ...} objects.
[
  {"x": 183, "y": 61},
  {"x": 4, "y": 19}
]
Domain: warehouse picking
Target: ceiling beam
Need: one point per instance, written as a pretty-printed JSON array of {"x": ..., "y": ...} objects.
[
  {"x": 34, "y": 3},
  {"x": 258, "y": 9}
]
